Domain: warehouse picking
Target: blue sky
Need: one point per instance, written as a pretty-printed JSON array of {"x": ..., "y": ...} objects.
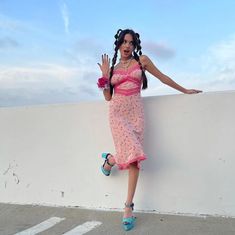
[{"x": 49, "y": 49}]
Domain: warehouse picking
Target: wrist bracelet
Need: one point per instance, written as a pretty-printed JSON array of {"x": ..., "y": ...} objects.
[{"x": 103, "y": 83}]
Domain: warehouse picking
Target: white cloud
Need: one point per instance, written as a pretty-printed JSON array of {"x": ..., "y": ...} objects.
[
  {"x": 219, "y": 65},
  {"x": 55, "y": 83},
  {"x": 46, "y": 83},
  {"x": 35, "y": 73},
  {"x": 65, "y": 16},
  {"x": 215, "y": 71}
]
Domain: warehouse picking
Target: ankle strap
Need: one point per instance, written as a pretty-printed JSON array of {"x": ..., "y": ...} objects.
[
  {"x": 107, "y": 159},
  {"x": 130, "y": 205}
]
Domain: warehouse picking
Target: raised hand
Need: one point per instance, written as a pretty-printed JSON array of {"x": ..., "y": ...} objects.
[{"x": 105, "y": 66}]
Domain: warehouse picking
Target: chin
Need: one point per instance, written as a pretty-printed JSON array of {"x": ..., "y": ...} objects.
[{"x": 126, "y": 56}]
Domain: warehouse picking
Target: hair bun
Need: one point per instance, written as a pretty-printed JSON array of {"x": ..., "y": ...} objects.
[{"x": 118, "y": 33}]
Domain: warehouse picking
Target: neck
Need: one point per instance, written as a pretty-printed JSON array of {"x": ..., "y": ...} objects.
[{"x": 125, "y": 59}]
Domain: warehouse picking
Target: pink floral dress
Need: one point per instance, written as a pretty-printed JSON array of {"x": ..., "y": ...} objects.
[{"x": 126, "y": 116}]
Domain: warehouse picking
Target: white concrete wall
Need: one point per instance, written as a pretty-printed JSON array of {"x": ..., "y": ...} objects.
[{"x": 50, "y": 155}]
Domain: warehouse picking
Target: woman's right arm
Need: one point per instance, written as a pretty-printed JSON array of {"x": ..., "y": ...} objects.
[{"x": 105, "y": 68}]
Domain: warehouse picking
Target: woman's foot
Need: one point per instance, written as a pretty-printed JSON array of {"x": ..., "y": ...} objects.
[
  {"x": 127, "y": 212},
  {"x": 128, "y": 221},
  {"x": 109, "y": 163}
]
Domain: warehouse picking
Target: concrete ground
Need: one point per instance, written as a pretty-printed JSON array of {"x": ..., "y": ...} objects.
[{"x": 19, "y": 219}]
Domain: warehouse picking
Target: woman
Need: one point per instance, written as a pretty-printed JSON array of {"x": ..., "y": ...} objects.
[{"x": 121, "y": 84}]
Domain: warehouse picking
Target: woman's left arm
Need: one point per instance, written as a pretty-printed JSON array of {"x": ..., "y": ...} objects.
[{"x": 151, "y": 68}]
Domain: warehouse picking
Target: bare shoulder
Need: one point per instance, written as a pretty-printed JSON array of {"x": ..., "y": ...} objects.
[{"x": 144, "y": 60}]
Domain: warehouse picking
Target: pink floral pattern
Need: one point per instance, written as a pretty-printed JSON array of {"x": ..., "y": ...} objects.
[{"x": 126, "y": 117}]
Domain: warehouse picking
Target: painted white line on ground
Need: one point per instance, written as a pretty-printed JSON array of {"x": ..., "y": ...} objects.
[
  {"x": 83, "y": 228},
  {"x": 41, "y": 227}
]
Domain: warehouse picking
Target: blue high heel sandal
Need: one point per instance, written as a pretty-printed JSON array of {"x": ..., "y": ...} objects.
[
  {"x": 105, "y": 156},
  {"x": 129, "y": 222}
]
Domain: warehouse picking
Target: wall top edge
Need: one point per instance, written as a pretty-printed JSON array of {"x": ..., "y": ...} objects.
[{"x": 101, "y": 100}]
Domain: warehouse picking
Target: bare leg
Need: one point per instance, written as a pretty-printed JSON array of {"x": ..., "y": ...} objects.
[
  {"x": 132, "y": 182},
  {"x": 111, "y": 161}
]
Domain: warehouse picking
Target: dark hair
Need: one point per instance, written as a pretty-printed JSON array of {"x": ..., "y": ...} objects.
[{"x": 119, "y": 39}]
